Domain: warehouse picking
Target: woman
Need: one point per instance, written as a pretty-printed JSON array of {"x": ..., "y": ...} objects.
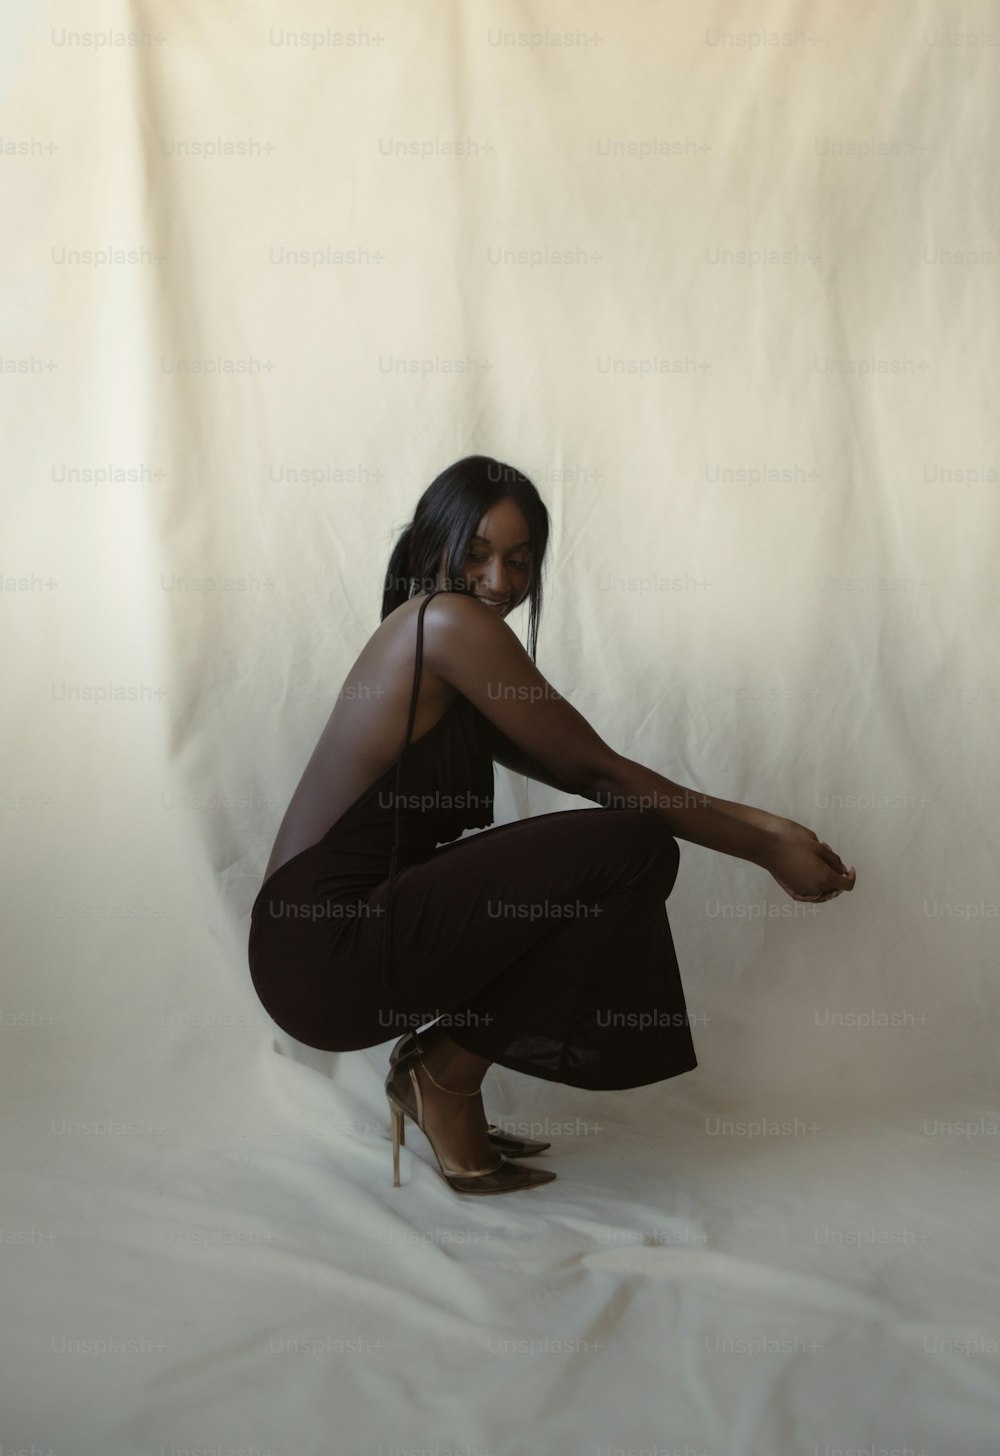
[{"x": 542, "y": 945}]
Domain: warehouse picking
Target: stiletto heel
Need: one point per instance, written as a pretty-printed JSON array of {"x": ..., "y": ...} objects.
[
  {"x": 499, "y": 1177},
  {"x": 398, "y": 1121},
  {"x": 504, "y": 1142}
]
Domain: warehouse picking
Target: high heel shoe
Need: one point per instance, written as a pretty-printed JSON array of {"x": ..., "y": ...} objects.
[
  {"x": 402, "y": 1088},
  {"x": 504, "y": 1142}
]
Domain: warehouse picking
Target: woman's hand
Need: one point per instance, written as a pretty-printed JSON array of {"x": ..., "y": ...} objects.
[{"x": 805, "y": 866}]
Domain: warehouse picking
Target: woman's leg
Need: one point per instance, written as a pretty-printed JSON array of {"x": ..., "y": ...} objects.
[
  {"x": 543, "y": 944},
  {"x": 454, "y": 1119}
]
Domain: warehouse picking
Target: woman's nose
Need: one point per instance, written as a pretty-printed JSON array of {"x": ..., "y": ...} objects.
[{"x": 495, "y": 584}]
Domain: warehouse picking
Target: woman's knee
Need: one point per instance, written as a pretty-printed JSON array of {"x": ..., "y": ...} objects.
[
  {"x": 651, "y": 828},
  {"x": 648, "y": 843},
  {"x": 665, "y": 848}
]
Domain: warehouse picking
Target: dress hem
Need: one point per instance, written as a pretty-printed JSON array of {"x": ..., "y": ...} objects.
[{"x": 646, "y": 1079}]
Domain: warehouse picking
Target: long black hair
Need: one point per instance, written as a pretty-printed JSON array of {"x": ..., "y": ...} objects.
[{"x": 446, "y": 518}]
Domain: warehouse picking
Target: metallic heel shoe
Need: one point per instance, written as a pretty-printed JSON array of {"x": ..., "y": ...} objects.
[
  {"x": 504, "y": 1142},
  {"x": 402, "y": 1089}
]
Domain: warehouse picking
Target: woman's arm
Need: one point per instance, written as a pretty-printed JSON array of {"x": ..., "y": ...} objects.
[
  {"x": 507, "y": 753},
  {"x": 608, "y": 796},
  {"x": 803, "y": 865},
  {"x": 510, "y": 756},
  {"x": 729, "y": 828},
  {"x": 763, "y": 818},
  {"x": 479, "y": 655}
]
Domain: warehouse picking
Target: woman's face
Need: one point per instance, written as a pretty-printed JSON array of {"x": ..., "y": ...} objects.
[{"x": 499, "y": 564}]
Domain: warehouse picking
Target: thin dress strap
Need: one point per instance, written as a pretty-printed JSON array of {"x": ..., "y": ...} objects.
[{"x": 387, "y": 933}]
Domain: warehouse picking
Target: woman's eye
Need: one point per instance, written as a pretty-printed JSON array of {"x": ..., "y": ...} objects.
[{"x": 522, "y": 565}]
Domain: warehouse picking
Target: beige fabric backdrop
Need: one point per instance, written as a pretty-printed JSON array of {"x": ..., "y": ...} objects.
[{"x": 722, "y": 279}]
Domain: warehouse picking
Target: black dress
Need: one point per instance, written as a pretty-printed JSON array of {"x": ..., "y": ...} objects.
[{"x": 542, "y": 945}]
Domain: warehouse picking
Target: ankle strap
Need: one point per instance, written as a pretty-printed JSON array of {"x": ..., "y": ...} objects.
[{"x": 437, "y": 1084}]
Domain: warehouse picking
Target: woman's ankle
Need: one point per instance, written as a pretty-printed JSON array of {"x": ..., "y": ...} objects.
[{"x": 450, "y": 1065}]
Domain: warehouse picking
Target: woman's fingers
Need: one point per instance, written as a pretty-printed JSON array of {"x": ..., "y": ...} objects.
[
  {"x": 845, "y": 877},
  {"x": 834, "y": 882},
  {"x": 809, "y": 870}
]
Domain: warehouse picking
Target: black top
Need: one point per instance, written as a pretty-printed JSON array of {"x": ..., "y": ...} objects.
[{"x": 443, "y": 785}]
